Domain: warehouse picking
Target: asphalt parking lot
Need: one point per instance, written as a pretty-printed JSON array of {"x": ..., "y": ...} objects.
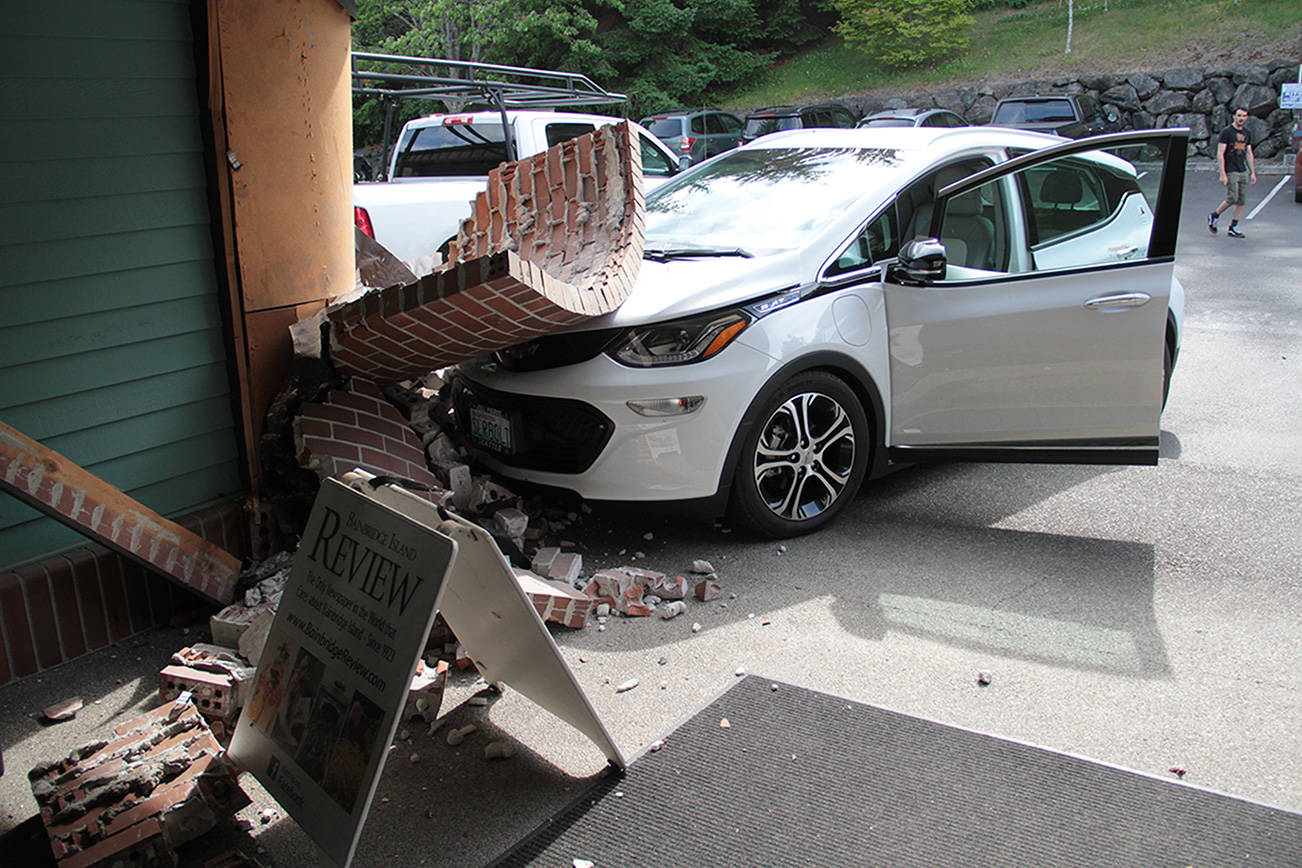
[{"x": 1143, "y": 617}]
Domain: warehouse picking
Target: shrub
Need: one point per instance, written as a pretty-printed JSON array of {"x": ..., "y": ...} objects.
[{"x": 905, "y": 33}]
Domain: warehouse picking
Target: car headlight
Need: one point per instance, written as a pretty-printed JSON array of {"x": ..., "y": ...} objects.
[{"x": 679, "y": 342}]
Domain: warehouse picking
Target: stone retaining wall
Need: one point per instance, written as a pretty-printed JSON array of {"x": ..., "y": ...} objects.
[{"x": 1200, "y": 99}]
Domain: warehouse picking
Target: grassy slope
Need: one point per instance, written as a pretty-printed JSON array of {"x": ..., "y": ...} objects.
[{"x": 1022, "y": 44}]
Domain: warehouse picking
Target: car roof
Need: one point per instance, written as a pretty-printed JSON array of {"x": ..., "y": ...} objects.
[
  {"x": 669, "y": 113},
  {"x": 907, "y": 112},
  {"x": 925, "y": 144}
]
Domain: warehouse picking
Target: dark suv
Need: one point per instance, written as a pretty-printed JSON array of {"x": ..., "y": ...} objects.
[
  {"x": 1071, "y": 115},
  {"x": 789, "y": 117},
  {"x": 698, "y": 133}
]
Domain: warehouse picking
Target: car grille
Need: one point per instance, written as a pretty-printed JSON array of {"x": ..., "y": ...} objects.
[
  {"x": 557, "y": 435},
  {"x": 554, "y": 351}
]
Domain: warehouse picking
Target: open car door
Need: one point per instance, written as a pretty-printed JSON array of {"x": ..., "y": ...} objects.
[{"x": 1032, "y": 325}]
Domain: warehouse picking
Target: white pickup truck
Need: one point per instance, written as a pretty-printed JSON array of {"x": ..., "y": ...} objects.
[{"x": 441, "y": 162}]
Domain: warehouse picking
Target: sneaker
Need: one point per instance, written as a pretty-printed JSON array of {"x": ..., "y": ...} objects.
[
  {"x": 1211, "y": 222},
  {"x": 1234, "y": 232}
]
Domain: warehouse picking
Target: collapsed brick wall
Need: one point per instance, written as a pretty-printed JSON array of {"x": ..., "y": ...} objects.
[
  {"x": 554, "y": 239},
  {"x": 358, "y": 427}
]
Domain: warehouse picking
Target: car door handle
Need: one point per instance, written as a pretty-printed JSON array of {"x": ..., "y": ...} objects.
[
  {"x": 1107, "y": 303},
  {"x": 1124, "y": 252}
]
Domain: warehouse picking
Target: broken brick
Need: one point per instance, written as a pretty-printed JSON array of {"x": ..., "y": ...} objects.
[
  {"x": 707, "y": 591},
  {"x": 555, "y": 601}
]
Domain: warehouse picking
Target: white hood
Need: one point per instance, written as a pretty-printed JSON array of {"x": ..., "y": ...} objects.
[{"x": 681, "y": 287}]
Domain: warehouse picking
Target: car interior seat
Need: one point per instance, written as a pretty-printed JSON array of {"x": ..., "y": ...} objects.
[{"x": 969, "y": 236}]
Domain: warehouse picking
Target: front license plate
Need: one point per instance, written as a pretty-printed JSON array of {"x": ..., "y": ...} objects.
[{"x": 491, "y": 428}]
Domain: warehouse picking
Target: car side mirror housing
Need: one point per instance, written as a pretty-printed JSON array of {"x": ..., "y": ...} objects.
[
  {"x": 684, "y": 162},
  {"x": 921, "y": 262}
]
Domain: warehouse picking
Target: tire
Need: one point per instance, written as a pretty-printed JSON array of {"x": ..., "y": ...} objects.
[
  {"x": 803, "y": 460},
  {"x": 1168, "y": 365}
]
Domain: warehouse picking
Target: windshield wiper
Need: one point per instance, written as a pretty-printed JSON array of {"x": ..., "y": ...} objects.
[{"x": 667, "y": 253}]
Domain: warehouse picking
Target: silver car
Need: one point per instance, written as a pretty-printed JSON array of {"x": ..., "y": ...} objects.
[{"x": 822, "y": 305}]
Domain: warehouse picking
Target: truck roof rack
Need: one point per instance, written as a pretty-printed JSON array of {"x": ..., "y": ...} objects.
[
  {"x": 394, "y": 77},
  {"x": 503, "y": 86}
]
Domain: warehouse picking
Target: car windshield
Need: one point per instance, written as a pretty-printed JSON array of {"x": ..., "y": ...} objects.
[{"x": 764, "y": 200}]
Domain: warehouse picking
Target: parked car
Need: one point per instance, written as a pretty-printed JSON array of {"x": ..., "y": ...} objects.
[
  {"x": 789, "y": 117},
  {"x": 697, "y": 133},
  {"x": 912, "y": 117},
  {"x": 820, "y": 306},
  {"x": 441, "y": 162},
  {"x": 1073, "y": 115}
]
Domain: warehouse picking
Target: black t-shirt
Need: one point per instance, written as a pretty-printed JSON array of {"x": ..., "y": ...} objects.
[{"x": 1236, "y": 148}]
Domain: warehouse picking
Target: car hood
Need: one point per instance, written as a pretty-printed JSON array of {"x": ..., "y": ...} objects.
[{"x": 681, "y": 287}]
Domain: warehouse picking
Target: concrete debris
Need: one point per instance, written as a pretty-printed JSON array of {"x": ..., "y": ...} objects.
[
  {"x": 230, "y": 623},
  {"x": 672, "y": 610},
  {"x": 984, "y": 677},
  {"x": 740, "y": 673},
  {"x": 498, "y": 750},
  {"x": 513, "y": 523},
  {"x": 627, "y": 686},
  {"x": 703, "y": 568},
  {"x": 254, "y": 638},
  {"x": 158, "y": 781},
  {"x": 458, "y": 736},
  {"x": 576, "y": 862},
  {"x": 425, "y": 695},
  {"x": 65, "y": 710},
  {"x": 462, "y": 484},
  {"x": 624, "y": 588},
  {"x": 696, "y": 628}
]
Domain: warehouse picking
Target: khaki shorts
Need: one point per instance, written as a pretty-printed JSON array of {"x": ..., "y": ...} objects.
[{"x": 1236, "y": 188}]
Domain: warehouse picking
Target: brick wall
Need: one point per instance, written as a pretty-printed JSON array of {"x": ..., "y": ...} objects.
[
  {"x": 358, "y": 427},
  {"x": 553, "y": 239},
  {"x": 66, "y": 606}
]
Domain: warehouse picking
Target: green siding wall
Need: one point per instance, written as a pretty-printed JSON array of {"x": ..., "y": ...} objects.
[{"x": 111, "y": 343}]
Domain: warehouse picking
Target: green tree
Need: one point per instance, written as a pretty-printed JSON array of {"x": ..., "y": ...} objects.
[{"x": 906, "y": 33}]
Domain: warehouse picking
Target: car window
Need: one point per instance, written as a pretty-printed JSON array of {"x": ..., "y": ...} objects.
[
  {"x": 730, "y": 123},
  {"x": 934, "y": 121},
  {"x": 664, "y": 128},
  {"x": 654, "y": 161},
  {"x": 765, "y": 124},
  {"x": 713, "y": 124},
  {"x": 698, "y": 125},
  {"x": 885, "y": 122},
  {"x": 450, "y": 149},
  {"x": 1079, "y": 210},
  {"x": 953, "y": 120},
  {"x": 879, "y": 240},
  {"x": 842, "y": 118},
  {"x": 563, "y": 132}
]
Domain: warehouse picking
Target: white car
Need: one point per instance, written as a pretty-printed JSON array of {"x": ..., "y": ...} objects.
[{"x": 820, "y": 305}]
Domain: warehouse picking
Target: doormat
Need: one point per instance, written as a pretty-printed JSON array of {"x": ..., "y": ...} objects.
[{"x": 772, "y": 774}]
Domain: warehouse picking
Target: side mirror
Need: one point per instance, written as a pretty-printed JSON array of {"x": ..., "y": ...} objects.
[
  {"x": 921, "y": 262},
  {"x": 684, "y": 161}
]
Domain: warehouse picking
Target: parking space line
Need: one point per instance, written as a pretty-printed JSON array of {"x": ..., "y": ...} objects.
[{"x": 1269, "y": 196}]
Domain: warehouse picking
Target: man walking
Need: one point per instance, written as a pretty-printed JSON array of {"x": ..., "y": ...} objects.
[{"x": 1238, "y": 170}]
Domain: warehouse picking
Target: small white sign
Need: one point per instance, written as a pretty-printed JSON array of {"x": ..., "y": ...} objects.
[
  {"x": 335, "y": 671},
  {"x": 1290, "y": 95}
]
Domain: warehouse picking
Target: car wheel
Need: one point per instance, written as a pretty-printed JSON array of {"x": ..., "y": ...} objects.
[{"x": 804, "y": 459}]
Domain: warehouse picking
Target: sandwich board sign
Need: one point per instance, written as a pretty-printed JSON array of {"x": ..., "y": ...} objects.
[{"x": 334, "y": 674}]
